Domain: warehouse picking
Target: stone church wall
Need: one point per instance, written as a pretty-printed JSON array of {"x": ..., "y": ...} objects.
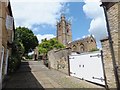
[{"x": 86, "y": 44}]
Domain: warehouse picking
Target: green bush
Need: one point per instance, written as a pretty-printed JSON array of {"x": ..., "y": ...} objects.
[
  {"x": 94, "y": 49},
  {"x": 14, "y": 63},
  {"x": 15, "y": 60}
]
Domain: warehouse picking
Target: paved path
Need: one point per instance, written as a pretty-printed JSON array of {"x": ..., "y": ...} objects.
[{"x": 33, "y": 74}]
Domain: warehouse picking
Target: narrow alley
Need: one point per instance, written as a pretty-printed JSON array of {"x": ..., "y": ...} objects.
[{"x": 33, "y": 74}]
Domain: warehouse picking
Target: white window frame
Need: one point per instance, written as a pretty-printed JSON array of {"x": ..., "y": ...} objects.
[{"x": 9, "y": 22}]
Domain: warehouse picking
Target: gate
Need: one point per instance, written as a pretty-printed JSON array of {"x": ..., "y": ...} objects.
[{"x": 87, "y": 66}]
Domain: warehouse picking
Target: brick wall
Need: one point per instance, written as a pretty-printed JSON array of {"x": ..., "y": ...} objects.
[
  {"x": 108, "y": 65},
  {"x": 119, "y": 40},
  {"x": 114, "y": 22}
]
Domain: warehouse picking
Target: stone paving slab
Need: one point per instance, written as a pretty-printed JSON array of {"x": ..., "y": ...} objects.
[
  {"x": 30, "y": 75},
  {"x": 33, "y": 74}
]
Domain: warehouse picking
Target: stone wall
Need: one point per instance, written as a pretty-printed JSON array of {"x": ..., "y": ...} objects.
[
  {"x": 108, "y": 65},
  {"x": 114, "y": 22},
  {"x": 5, "y": 36},
  {"x": 58, "y": 59},
  {"x": 0, "y": 44},
  {"x": 0, "y": 32},
  {"x": 36, "y": 54},
  {"x": 119, "y": 40},
  {"x": 86, "y": 44}
]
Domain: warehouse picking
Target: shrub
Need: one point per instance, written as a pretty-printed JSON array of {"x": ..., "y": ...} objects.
[
  {"x": 15, "y": 60},
  {"x": 94, "y": 49},
  {"x": 14, "y": 63}
]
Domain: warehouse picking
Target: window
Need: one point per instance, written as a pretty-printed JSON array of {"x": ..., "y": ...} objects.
[
  {"x": 82, "y": 48},
  {"x": 9, "y": 22},
  {"x": 91, "y": 40},
  {"x": 74, "y": 48},
  {"x": 67, "y": 30}
]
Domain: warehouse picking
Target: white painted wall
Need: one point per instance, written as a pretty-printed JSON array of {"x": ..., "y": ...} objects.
[{"x": 86, "y": 66}]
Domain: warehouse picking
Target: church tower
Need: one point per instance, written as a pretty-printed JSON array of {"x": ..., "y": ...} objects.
[{"x": 64, "y": 34}]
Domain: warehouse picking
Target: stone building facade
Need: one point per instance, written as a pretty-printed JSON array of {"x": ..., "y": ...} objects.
[
  {"x": 64, "y": 34},
  {"x": 6, "y": 36},
  {"x": 113, "y": 13},
  {"x": 83, "y": 45}
]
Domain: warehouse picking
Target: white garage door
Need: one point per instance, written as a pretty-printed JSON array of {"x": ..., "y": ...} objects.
[{"x": 87, "y": 66}]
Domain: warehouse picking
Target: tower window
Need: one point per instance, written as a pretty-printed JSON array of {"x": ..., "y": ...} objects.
[
  {"x": 59, "y": 25},
  {"x": 91, "y": 40},
  {"x": 67, "y": 30}
]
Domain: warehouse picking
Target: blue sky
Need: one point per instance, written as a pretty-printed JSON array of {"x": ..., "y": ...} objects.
[
  {"x": 41, "y": 16},
  {"x": 80, "y": 23}
]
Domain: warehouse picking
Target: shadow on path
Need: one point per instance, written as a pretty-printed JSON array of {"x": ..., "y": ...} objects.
[{"x": 23, "y": 78}]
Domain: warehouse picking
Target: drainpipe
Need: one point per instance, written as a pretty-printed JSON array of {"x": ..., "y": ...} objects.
[{"x": 111, "y": 49}]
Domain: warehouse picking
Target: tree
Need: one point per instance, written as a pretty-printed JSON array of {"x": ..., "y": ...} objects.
[
  {"x": 48, "y": 45},
  {"x": 28, "y": 39}
]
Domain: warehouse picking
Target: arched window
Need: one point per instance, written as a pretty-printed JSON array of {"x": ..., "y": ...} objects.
[
  {"x": 67, "y": 30},
  {"x": 74, "y": 48},
  {"x": 82, "y": 49},
  {"x": 91, "y": 40}
]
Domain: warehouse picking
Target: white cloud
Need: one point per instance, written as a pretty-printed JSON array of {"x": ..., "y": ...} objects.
[
  {"x": 46, "y": 0},
  {"x": 85, "y": 36},
  {"x": 35, "y": 29},
  {"x": 95, "y": 12},
  {"x": 48, "y": 36},
  {"x": 98, "y": 28},
  {"x": 77, "y": 38},
  {"x": 29, "y": 12}
]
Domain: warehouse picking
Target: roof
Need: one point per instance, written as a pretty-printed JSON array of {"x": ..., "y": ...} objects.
[
  {"x": 109, "y": 1},
  {"x": 108, "y": 4},
  {"x": 105, "y": 39},
  {"x": 84, "y": 39}
]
